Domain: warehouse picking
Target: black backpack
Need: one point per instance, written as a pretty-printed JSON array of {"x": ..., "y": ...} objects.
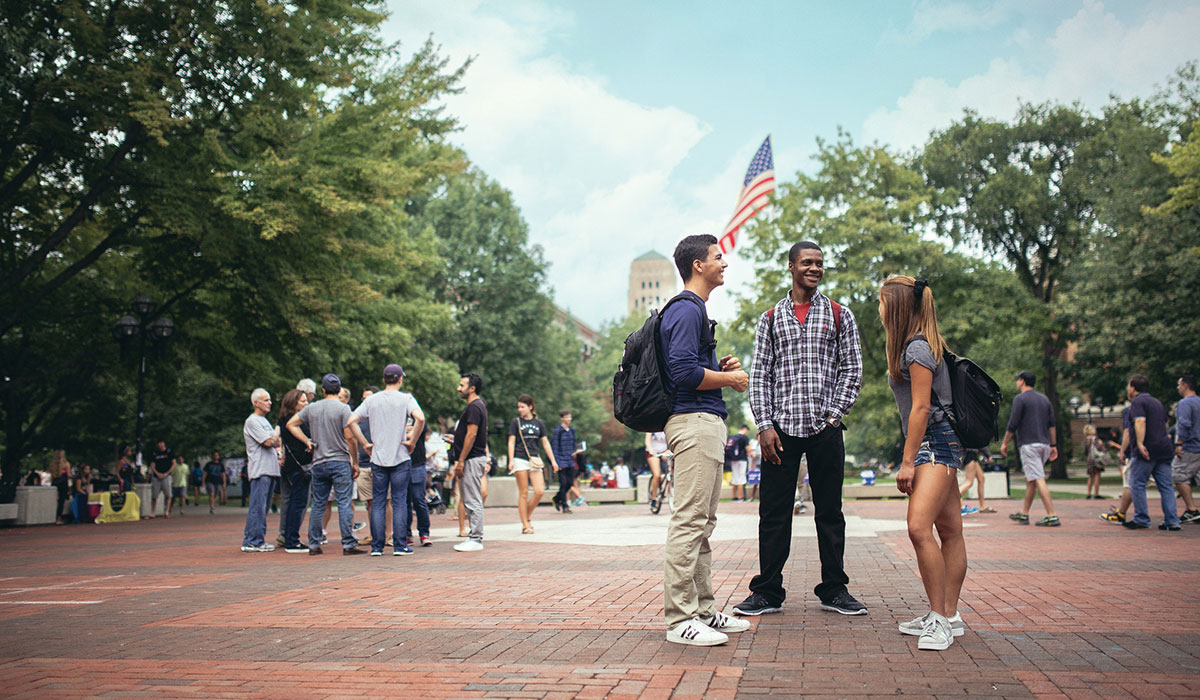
[
  {"x": 977, "y": 398},
  {"x": 640, "y": 397}
]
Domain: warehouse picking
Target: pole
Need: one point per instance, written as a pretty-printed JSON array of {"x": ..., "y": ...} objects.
[{"x": 141, "y": 392}]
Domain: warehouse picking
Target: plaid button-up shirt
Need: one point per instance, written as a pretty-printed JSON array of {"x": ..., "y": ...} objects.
[{"x": 803, "y": 374}]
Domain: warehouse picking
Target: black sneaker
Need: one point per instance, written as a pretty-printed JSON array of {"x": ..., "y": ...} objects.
[
  {"x": 1190, "y": 516},
  {"x": 756, "y": 605},
  {"x": 845, "y": 604},
  {"x": 1132, "y": 525},
  {"x": 1164, "y": 526}
]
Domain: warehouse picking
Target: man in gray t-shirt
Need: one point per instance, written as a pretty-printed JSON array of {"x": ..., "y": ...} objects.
[
  {"x": 1032, "y": 424},
  {"x": 391, "y": 457},
  {"x": 334, "y": 444}
]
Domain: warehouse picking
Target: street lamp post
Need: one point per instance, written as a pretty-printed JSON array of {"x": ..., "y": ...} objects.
[{"x": 146, "y": 323}]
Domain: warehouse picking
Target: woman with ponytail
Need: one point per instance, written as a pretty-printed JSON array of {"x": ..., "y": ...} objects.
[{"x": 933, "y": 454}]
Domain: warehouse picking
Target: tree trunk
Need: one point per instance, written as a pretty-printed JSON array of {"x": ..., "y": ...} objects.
[
  {"x": 14, "y": 448},
  {"x": 1050, "y": 352}
]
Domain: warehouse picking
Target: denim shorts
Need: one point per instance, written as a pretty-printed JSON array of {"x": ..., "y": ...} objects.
[{"x": 941, "y": 446}]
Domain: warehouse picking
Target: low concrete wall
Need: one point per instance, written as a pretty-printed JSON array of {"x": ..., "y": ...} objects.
[
  {"x": 995, "y": 485},
  {"x": 36, "y": 504},
  {"x": 9, "y": 511},
  {"x": 592, "y": 495},
  {"x": 502, "y": 492},
  {"x": 143, "y": 492},
  {"x": 643, "y": 489}
]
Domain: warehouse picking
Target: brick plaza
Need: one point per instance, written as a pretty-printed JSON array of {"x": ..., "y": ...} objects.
[{"x": 172, "y": 609}]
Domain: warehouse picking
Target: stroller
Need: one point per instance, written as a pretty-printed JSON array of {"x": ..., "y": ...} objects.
[{"x": 435, "y": 489}]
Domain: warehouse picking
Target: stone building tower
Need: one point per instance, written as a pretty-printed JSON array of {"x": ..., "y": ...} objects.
[{"x": 652, "y": 282}]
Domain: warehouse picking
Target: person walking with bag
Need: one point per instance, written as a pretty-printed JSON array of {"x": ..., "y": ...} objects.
[
  {"x": 523, "y": 460},
  {"x": 933, "y": 455}
]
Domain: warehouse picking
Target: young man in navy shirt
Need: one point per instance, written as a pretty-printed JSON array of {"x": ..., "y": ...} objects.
[{"x": 696, "y": 435}]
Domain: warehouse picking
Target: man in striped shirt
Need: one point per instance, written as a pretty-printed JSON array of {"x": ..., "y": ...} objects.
[{"x": 805, "y": 377}]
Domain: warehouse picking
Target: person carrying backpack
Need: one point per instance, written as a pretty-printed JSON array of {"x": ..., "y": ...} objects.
[
  {"x": 696, "y": 435},
  {"x": 919, "y": 376},
  {"x": 806, "y": 375}
]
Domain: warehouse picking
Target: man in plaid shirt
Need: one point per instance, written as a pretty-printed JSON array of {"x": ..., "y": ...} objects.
[{"x": 805, "y": 377}]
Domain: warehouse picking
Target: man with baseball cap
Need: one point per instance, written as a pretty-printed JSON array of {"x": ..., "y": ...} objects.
[
  {"x": 334, "y": 462},
  {"x": 391, "y": 457}
]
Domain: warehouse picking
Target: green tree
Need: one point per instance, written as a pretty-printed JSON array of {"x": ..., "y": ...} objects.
[
  {"x": 1019, "y": 190},
  {"x": 1144, "y": 269},
  {"x": 248, "y": 164},
  {"x": 505, "y": 326}
]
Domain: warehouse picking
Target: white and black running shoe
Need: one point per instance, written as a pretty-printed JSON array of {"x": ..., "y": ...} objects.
[
  {"x": 845, "y": 604},
  {"x": 756, "y": 604}
]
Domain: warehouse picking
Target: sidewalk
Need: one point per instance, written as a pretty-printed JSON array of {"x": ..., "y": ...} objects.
[{"x": 172, "y": 608}]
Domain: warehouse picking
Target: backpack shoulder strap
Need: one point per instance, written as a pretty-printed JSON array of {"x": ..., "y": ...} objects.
[
  {"x": 837, "y": 316},
  {"x": 704, "y": 325}
]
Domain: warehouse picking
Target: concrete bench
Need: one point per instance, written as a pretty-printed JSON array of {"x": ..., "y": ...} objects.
[
  {"x": 9, "y": 511},
  {"x": 592, "y": 495}
]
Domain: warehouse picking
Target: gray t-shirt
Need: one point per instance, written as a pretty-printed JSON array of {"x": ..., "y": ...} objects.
[
  {"x": 918, "y": 351},
  {"x": 325, "y": 420},
  {"x": 1031, "y": 418},
  {"x": 260, "y": 459},
  {"x": 388, "y": 412}
]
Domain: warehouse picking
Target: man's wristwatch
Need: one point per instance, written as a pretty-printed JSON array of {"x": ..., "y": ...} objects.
[{"x": 833, "y": 422}]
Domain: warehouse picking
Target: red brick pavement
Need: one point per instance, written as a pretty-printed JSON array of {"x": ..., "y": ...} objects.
[{"x": 171, "y": 608}]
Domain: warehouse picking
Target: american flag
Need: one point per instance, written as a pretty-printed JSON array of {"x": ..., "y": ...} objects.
[{"x": 755, "y": 195}]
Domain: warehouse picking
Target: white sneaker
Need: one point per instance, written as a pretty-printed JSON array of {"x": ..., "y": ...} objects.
[
  {"x": 696, "y": 633},
  {"x": 937, "y": 634},
  {"x": 258, "y": 548},
  {"x": 468, "y": 546},
  {"x": 915, "y": 627},
  {"x": 724, "y": 623}
]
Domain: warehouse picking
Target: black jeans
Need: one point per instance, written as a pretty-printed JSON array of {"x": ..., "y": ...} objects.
[
  {"x": 566, "y": 479},
  {"x": 298, "y": 482},
  {"x": 826, "y": 462}
]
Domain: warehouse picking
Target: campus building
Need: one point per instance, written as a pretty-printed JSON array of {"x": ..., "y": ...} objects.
[
  {"x": 589, "y": 339},
  {"x": 651, "y": 282}
]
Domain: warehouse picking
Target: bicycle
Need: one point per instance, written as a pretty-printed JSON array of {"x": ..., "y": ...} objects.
[{"x": 666, "y": 486}]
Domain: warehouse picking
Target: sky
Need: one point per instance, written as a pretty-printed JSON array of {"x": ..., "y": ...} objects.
[{"x": 620, "y": 126}]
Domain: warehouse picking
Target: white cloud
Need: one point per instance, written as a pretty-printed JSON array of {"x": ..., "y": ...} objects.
[
  {"x": 1090, "y": 56},
  {"x": 590, "y": 170},
  {"x": 931, "y": 17}
]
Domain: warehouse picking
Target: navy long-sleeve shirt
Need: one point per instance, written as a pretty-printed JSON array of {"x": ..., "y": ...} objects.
[
  {"x": 687, "y": 352},
  {"x": 563, "y": 444}
]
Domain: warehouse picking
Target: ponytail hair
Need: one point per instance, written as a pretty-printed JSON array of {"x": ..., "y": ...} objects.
[
  {"x": 528, "y": 401},
  {"x": 907, "y": 309}
]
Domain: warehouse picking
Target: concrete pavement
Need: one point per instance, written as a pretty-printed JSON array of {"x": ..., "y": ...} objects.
[{"x": 172, "y": 608}]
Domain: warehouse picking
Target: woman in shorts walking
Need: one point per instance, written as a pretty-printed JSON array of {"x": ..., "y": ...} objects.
[
  {"x": 932, "y": 457},
  {"x": 656, "y": 449},
  {"x": 1097, "y": 457},
  {"x": 524, "y": 434}
]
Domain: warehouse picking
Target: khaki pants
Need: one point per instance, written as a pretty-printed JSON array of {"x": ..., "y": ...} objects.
[{"x": 698, "y": 441}]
